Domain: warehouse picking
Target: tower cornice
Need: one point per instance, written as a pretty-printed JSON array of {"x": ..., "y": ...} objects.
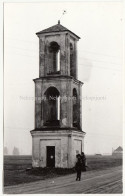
[{"x": 58, "y": 77}]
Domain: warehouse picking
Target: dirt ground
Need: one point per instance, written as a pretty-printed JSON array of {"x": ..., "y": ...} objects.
[
  {"x": 95, "y": 182},
  {"x": 15, "y": 169}
]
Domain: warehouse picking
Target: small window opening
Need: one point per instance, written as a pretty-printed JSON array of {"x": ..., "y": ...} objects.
[
  {"x": 75, "y": 108},
  {"x": 71, "y": 60}
]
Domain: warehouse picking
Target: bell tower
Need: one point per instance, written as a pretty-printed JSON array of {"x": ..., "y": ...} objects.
[{"x": 58, "y": 135}]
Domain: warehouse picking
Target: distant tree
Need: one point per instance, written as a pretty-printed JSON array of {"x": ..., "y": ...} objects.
[
  {"x": 15, "y": 151},
  {"x": 5, "y": 150}
]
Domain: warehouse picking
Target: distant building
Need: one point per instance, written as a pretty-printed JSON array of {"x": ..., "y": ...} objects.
[{"x": 118, "y": 151}]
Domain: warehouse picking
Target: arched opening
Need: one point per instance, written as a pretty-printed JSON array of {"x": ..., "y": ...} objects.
[
  {"x": 52, "y": 107},
  {"x": 54, "y": 58},
  {"x": 75, "y": 108},
  {"x": 58, "y": 60},
  {"x": 71, "y": 59}
]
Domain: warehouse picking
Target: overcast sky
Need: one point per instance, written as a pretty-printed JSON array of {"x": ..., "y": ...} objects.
[{"x": 99, "y": 24}]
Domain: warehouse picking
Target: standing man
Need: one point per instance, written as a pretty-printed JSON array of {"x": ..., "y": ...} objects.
[
  {"x": 83, "y": 159},
  {"x": 78, "y": 168}
]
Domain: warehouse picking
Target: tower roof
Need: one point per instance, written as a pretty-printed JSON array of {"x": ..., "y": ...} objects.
[{"x": 56, "y": 28}]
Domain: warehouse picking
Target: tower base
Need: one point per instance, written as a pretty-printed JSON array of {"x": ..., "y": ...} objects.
[{"x": 56, "y": 148}]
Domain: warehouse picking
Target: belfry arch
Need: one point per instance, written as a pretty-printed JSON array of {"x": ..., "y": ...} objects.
[
  {"x": 51, "y": 106},
  {"x": 54, "y": 60}
]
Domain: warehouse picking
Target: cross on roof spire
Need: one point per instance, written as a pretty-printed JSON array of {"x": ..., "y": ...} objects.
[{"x": 64, "y": 12}]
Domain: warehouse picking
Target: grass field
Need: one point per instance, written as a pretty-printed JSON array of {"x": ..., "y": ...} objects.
[{"x": 15, "y": 168}]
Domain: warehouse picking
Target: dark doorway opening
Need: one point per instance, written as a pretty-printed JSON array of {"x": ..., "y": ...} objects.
[{"x": 50, "y": 156}]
